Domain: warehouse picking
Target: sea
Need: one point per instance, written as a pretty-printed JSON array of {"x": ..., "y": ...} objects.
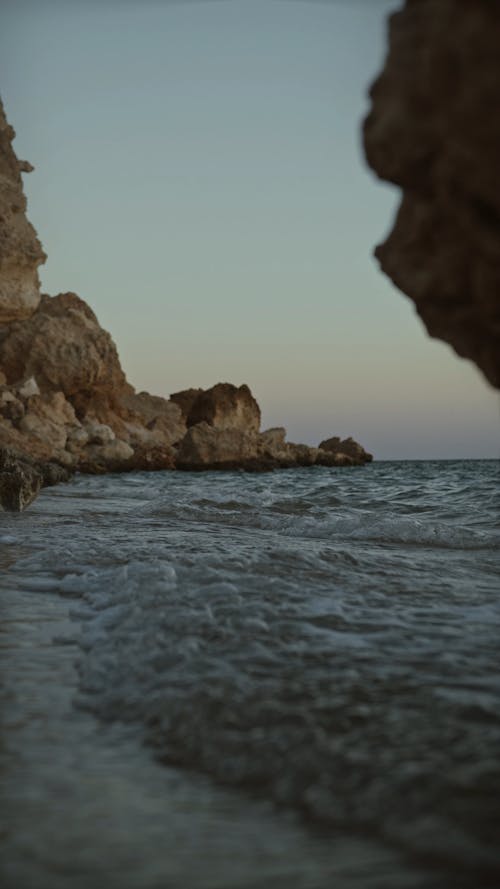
[{"x": 253, "y": 681}]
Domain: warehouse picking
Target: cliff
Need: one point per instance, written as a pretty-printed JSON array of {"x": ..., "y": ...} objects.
[
  {"x": 20, "y": 250},
  {"x": 434, "y": 131},
  {"x": 66, "y": 404}
]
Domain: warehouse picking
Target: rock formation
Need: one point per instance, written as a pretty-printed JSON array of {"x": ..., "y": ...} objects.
[
  {"x": 433, "y": 130},
  {"x": 20, "y": 250},
  {"x": 66, "y": 405},
  {"x": 21, "y": 479}
]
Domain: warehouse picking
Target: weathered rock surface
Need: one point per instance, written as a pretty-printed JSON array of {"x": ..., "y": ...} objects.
[
  {"x": 348, "y": 448},
  {"x": 64, "y": 348},
  {"x": 20, "y": 250},
  {"x": 206, "y": 446},
  {"x": 223, "y": 405},
  {"x": 21, "y": 479},
  {"x": 434, "y": 131}
]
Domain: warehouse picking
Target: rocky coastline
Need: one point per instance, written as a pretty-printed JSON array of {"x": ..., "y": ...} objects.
[{"x": 66, "y": 405}]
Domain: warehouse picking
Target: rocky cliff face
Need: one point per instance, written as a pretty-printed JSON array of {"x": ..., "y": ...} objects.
[
  {"x": 434, "y": 131},
  {"x": 65, "y": 403},
  {"x": 20, "y": 249}
]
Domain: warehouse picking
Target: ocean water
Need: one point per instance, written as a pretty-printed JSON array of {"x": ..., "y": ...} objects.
[{"x": 250, "y": 681}]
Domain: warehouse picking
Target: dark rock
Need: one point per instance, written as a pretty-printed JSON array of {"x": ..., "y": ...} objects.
[
  {"x": 185, "y": 400},
  {"x": 21, "y": 479},
  {"x": 434, "y": 131},
  {"x": 224, "y": 406},
  {"x": 348, "y": 447}
]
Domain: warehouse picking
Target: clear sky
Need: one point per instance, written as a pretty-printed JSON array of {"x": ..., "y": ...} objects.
[{"x": 200, "y": 182}]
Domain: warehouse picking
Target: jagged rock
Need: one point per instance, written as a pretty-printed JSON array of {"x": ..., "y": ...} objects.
[
  {"x": 223, "y": 405},
  {"x": 18, "y": 488},
  {"x": 185, "y": 400},
  {"x": 68, "y": 400},
  {"x": 20, "y": 250},
  {"x": 44, "y": 429},
  {"x": 48, "y": 418},
  {"x": 21, "y": 479},
  {"x": 347, "y": 447},
  {"x": 63, "y": 346},
  {"x": 301, "y": 455},
  {"x": 272, "y": 442},
  {"x": 434, "y": 130},
  {"x": 327, "y": 458},
  {"x": 161, "y": 418}
]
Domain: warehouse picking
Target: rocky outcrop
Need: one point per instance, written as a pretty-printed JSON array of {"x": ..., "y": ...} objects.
[
  {"x": 212, "y": 447},
  {"x": 21, "y": 479},
  {"x": 64, "y": 348},
  {"x": 20, "y": 250},
  {"x": 347, "y": 448},
  {"x": 224, "y": 406},
  {"x": 434, "y": 131},
  {"x": 209, "y": 447},
  {"x": 66, "y": 405}
]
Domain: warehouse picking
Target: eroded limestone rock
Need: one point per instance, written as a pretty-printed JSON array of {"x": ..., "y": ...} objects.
[
  {"x": 63, "y": 346},
  {"x": 346, "y": 447},
  {"x": 206, "y": 446},
  {"x": 223, "y": 405},
  {"x": 434, "y": 130},
  {"x": 20, "y": 250}
]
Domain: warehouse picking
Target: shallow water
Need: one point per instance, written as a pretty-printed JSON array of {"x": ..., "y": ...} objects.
[{"x": 313, "y": 654}]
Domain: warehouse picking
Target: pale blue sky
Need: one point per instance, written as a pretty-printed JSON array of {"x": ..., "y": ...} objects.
[{"x": 200, "y": 182}]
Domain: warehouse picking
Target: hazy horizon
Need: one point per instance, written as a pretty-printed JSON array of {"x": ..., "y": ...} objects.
[{"x": 200, "y": 182}]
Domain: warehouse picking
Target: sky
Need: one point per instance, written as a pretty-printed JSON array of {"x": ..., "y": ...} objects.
[{"x": 200, "y": 181}]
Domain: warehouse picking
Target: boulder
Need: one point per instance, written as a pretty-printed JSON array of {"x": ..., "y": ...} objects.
[
  {"x": 223, "y": 405},
  {"x": 161, "y": 417},
  {"x": 272, "y": 442},
  {"x": 185, "y": 400},
  {"x": 111, "y": 457},
  {"x": 63, "y": 346},
  {"x": 20, "y": 250},
  {"x": 48, "y": 418},
  {"x": 433, "y": 130},
  {"x": 21, "y": 479},
  {"x": 208, "y": 447},
  {"x": 348, "y": 447},
  {"x": 99, "y": 433}
]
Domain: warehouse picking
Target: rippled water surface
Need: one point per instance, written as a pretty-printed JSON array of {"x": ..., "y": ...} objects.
[{"x": 289, "y": 679}]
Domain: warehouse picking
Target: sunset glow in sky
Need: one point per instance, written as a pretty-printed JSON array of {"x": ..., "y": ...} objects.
[{"x": 200, "y": 182}]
